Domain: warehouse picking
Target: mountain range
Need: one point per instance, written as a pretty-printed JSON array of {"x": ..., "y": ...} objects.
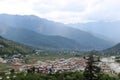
[
  {"x": 39, "y": 32},
  {"x": 35, "y": 39}
]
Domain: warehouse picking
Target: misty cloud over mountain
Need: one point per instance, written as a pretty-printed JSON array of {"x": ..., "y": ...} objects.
[{"x": 110, "y": 30}]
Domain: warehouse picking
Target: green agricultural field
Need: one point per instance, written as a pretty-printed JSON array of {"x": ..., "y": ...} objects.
[
  {"x": 4, "y": 67},
  {"x": 45, "y": 57}
]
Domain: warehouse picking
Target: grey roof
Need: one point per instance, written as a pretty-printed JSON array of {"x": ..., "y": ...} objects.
[{"x": 1, "y": 45}]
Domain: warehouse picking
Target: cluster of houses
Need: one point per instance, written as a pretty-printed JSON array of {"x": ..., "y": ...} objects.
[
  {"x": 107, "y": 64},
  {"x": 110, "y": 65},
  {"x": 68, "y": 65},
  {"x": 71, "y": 64}
]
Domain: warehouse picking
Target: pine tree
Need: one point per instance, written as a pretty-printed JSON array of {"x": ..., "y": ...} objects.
[{"x": 92, "y": 71}]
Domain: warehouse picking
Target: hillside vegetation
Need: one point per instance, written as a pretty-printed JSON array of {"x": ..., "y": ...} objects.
[{"x": 10, "y": 47}]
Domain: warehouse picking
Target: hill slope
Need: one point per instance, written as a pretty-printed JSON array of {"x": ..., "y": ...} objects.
[
  {"x": 10, "y": 47},
  {"x": 113, "y": 50}
]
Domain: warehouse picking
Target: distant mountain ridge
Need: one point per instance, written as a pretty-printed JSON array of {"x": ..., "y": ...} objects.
[
  {"x": 110, "y": 29},
  {"x": 46, "y": 27}
]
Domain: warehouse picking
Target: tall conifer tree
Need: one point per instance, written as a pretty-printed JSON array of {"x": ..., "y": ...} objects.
[{"x": 92, "y": 71}]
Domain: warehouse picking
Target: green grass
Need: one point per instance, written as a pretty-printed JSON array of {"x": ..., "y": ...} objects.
[
  {"x": 4, "y": 67},
  {"x": 49, "y": 57}
]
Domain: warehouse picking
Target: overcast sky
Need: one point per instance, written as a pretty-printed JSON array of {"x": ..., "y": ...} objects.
[{"x": 65, "y": 11}]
